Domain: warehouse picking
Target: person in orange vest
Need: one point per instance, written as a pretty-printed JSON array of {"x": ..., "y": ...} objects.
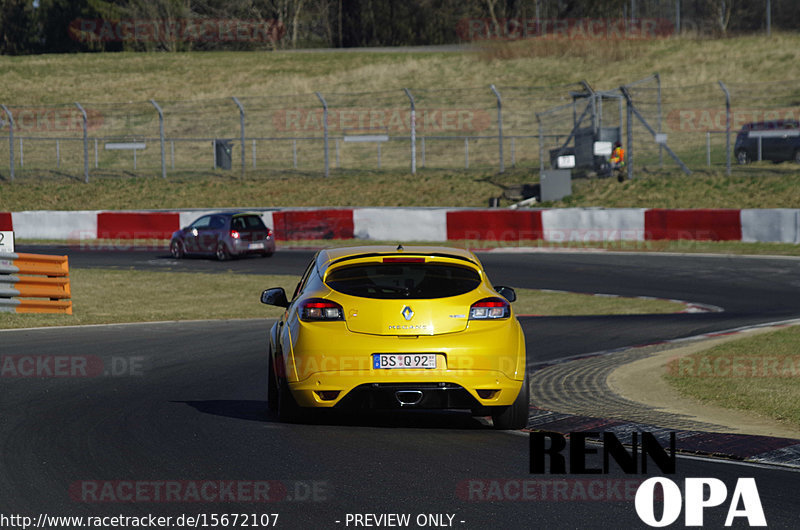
[
  {"x": 617, "y": 156},
  {"x": 617, "y": 161}
]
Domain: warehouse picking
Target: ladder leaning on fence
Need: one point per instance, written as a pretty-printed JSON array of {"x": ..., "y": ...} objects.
[{"x": 34, "y": 283}]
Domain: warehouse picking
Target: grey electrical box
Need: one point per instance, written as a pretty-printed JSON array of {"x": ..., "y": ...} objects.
[
  {"x": 556, "y": 184},
  {"x": 223, "y": 150}
]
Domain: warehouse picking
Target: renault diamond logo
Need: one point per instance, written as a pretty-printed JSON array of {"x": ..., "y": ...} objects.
[{"x": 407, "y": 313}]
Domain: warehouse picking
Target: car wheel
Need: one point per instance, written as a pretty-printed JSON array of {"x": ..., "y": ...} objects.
[
  {"x": 177, "y": 250},
  {"x": 742, "y": 157},
  {"x": 288, "y": 410},
  {"x": 514, "y": 416},
  {"x": 266, "y": 254},
  {"x": 222, "y": 253},
  {"x": 272, "y": 386}
]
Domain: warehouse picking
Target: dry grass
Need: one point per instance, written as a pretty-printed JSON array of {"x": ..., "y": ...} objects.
[
  {"x": 121, "y": 77},
  {"x": 111, "y": 296},
  {"x": 758, "y": 374},
  {"x": 772, "y": 187}
]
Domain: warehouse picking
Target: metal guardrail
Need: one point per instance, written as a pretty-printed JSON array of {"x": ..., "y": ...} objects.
[{"x": 25, "y": 278}]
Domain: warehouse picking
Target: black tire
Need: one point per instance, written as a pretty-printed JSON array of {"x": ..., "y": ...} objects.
[
  {"x": 177, "y": 250},
  {"x": 266, "y": 254},
  {"x": 742, "y": 157},
  {"x": 221, "y": 252},
  {"x": 288, "y": 409},
  {"x": 515, "y": 416},
  {"x": 272, "y": 386}
]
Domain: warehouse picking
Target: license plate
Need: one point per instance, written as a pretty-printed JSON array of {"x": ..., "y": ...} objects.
[
  {"x": 403, "y": 360},
  {"x": 256, "y": 245}
]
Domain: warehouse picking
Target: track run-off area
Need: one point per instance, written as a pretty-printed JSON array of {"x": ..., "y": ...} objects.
[{"x": 182, "y": 406}]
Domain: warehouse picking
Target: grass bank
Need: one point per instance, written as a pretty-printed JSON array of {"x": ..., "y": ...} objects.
[
  {"x": 755, "y": 374},
  {"x": 774, "y": 187},
  {"x": 102, "y": 296}
]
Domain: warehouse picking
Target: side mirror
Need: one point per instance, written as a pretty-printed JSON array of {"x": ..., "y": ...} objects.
[
  {"x": 275, "y": 296},
  {"x": 506, "y": 292}
]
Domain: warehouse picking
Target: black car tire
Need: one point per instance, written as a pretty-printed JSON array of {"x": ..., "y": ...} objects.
[
  {"x": 272, "y": 386},
  {"x": 516, "y": 415},
  {"x": 266, "y": 254},
  {"x": 742, "y": 157},
  {"x": 288, "y": 410},
  {"x": 177, "y": 250},
  {"x": 222, "y": 253}
]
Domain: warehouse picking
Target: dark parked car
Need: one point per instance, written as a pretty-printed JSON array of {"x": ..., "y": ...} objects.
[
  {"x": 224, "y": 235},
  {"x": 780, "y": 141}
]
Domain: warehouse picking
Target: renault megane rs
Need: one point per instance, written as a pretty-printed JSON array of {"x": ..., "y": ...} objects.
[{"x": 385, "y": 327}]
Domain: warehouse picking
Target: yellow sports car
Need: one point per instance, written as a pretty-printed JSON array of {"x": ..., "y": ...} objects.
[{"x": 385, "y": 327}]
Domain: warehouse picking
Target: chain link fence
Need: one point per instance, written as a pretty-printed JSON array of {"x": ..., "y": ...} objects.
[{"x": 490, "y": 128}]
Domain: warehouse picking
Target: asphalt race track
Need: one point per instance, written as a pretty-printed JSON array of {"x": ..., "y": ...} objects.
[{"x": 188, "y": 404}]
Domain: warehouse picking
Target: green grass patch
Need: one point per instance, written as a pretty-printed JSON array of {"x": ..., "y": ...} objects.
[
  {"x": 755, "y": 374},
  {"x": 104, "y": 296},
  {"x": 776, "y": 186}
]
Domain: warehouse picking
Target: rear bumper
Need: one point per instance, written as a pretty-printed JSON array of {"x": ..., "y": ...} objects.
[
  {"x": 457, "y": 390},
  {"x": 481, "y": 366},
  {"x": 240, "y": 248}
]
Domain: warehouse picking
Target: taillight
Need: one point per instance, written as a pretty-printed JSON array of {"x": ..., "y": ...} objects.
[
  {"x": 490, "y": 308},
  {"x": 317, "y": 309},
  {"x": 269, "y": 233},
  {"x": 234, "y": 234}
]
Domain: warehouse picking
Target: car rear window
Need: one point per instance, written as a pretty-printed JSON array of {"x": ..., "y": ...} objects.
[
  {"x": 407, "y": 280},
  {"x": 248, "y": 222}
]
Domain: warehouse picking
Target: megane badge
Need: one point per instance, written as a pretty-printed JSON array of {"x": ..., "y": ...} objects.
[{"x": 407, "y": 313}]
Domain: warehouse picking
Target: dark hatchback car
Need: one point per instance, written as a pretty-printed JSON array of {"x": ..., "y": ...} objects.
[
  {"x": 224, "y": 235},
  {"x": 779, "y": 139}
]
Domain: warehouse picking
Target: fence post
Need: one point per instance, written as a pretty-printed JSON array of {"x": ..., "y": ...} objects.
[
  {"x": 708, "y": 148},
  {"x": 629, "y": 139},
  {"x": 727, "y": 127},
  {"x": 58, "y": 155},
  {"x": 769, "y": 18},
  {"x": 325, "y": 129},
  {"x": 466, "y": 152},
  {"x": 423, "y": 151},
  {"x": 85, "y": 144},
  {"x": 541, "y": 144},
  {"x": 499, "y": 126},
  {"x": 660, "y": 147},
  {"x": 241, "y": 128},
  {"x": 10, "y": 138},
  {"x": 95, "y": 154},
  {"x": 677, "y": 17},
  {"x": 413, "y": 132},
  {"x": 161, "y": 137}
]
